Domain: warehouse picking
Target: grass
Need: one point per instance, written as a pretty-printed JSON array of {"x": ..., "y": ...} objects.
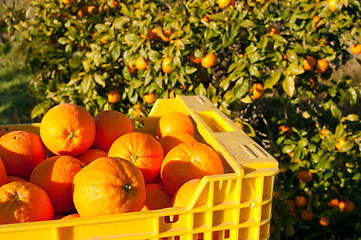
[{"x": 16, "y": 102}]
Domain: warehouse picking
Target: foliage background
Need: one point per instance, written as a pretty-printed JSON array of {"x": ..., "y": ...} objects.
[{"x": 79, "y": 56}]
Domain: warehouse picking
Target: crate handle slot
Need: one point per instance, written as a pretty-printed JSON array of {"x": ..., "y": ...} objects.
[{"x": 248, "y": 150}]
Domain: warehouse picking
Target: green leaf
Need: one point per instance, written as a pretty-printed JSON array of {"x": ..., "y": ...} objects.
[
  {"x": 272, "y": 80},
  {"x": 116, "y": 52},
  {"x": 200, "y": 90},
  {"x": 154, "y": 55},
  {"x": 98, "y": 79},
  {"x": 352, "y": 117},
  {"x": 336, "y": 112},
  {"x": 288, "y": 85},
  {"x": 190, "y": 70},
  {"x": 292, "y": 56},
  {"x": 339, "y": 131},
  {"x": 120, "y": 22},
  {"x": 295, "y": 69},
  {"x": 63, "y": 40},
  {"x": 131, "y": 38},
  {"x": 254, "y": 71},
  {"x": 279, "y": 39},
  {"x": 40, "y": 108}
]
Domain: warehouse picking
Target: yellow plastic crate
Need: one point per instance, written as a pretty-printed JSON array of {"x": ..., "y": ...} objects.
[{"x": 236, "y": 205}]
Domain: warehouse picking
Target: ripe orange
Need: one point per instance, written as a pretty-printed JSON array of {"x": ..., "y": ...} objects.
[
  {"x": 93, "y": 9},
  {"x": 208, "y": 61},
  {"x": 141, "y": 64},
  {"x": 340, "y": 143},
  {"x": 24, "y": 202},
  {"x": 284, "y": 128},
  {"x": 346, "y": 206},
  {"x": 171, "y": 94},
  {"x": 156, "y": 197},
  {"x": 110, "y": 125},
  {"x": 322, "y": 66},
  {"x": 82, "y": 12},
  {"x": 15, "y": 179},
  {"x": 332, "y": 5},
  {"x": 273, "y": 31},
  {"x": 114, "y": 4},
  {"x": 309, "y": 63},
  {"x": 257, "y": 90},
  {"x": 333, "y": 203},
  {"x": 20, "y": 152},
  {"x": 55, "y": 176},
  {"x": 188, "y": 161},
  {"x": 306, "y": 215},
  {"x": 325, "y": 132},
  {"x": 194, "y": 59},
  {"x": 300, "y": 201},
  {"x": 114, "y": 96},
  {"x": 185, "y": 193},
  {"x": 166, "y": 34},
  {"x": 356, "y": 48},
  {"x": 304, "y": 176},
  {"x": 166, "y": 65},
  {"x": 149, "y": 98},
  {"x": 90, "y": 155},
  {"x": 3, "y": 175},
  {"x": 174, "y": 122},
  {"x": 324, "y": 221},
  {"x": 67, "y": 2},
  {"x": 174, "y": 139},
  {"x": 143, "y": 150},
  {"x": 108, "y": 186},
  {"x": 316, "y": 18},
  {"x": 67, "y": 129},
  {"x": 239, "y": 124},
  {"x": 225, "y": 3},
  {"x": 71, "y": 216}
]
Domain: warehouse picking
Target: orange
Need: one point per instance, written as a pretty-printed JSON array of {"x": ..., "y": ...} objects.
[
  {"x": 188, "y": 161},
  {"x": 174, "y": 139},
  {"x": 140, "y": 63},
  {"x": 346, "y": 206},
  {"x": 114, "y": 4},
  {"x": 284, "y": 128},
  {"x": 171, "y": 94},
  {"x": 103, "y": 40},
  {"x": 316, "y": 18},
  {"x": 304, "y": 176},
  {"x": 143, "y": 150},
  {"x": 356, "y": 48},
  {"x": 208, "y": 61},
  {"x": 167, "y": 65},
  {"x": 324, "y": 221},
  {"x": 306, "y": 215},
  {"x": 93, "y": 9},
  {"x": 273, "y": 31},
  {"x": 322, "y": 66},
  {"x": 15, "y": 179},
  {"x": 239, "y": 124},
  {"x": 340, "y": 143},
  {"x": 325, "y": 132},
  {"x": 67, "y": 129},
  {"x": 114, "y": 96},
  {"x": 67, "y": 2},
  {"x": 71, "y": 216},
  {"x": 149, "y": 98},
  {"x": 24, "y": 202},
  {"x": 3, "y": 175},
  {"x": 205, "y": 18},
  {"x": 110, "y": 125},
  {"x": 90, "y": 155},
  {"x": 55, "y": 176},
  {"x": 309, "y": 63},
  {"x": 300, "y": 201},
  {"x": 257, "y": 90},
  {"x": 333, "y": 203},
  {"x": 108, "y": 186},
  {"x": 224, "y": 3},
  {"x": 156, "y": 197},
  {"x": 185, "y": 193},
  {"x": 20, "y": 152},
  {"x": 194, "y": 59},
  {"x": 332, "y": 5},
  {"x": 166, "y": 34},
  {"x": 174, "y": 122},
  {"x": 82, "y": 12}
]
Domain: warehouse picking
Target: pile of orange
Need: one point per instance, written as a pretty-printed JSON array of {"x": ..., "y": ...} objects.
[{"x": 82, "y": 165}]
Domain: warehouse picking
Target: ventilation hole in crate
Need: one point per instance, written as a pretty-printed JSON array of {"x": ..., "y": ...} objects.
[
  {"x": 259, "y": 150},
  {"x": 138, "y": 124},
  {"x": 171, "y": 219},
  {"x": 201, "y": 100},
  {"x": 248, "y": 150},
  {"x": 176, "y": 237},
  {"x": 226, "y": 233},
  {"x": 215, "y": 235}
]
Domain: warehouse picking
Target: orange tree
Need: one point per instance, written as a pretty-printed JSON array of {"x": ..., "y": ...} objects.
[{"x": 269, "y": 65}]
